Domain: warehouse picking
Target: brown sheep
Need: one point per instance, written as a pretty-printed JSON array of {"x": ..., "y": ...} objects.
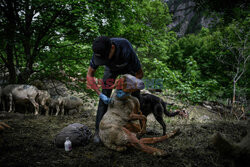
[{"x": 117, "y": 131}]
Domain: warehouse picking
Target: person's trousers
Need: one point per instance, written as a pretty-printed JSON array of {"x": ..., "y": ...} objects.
[{"x": 102, "y": 107}]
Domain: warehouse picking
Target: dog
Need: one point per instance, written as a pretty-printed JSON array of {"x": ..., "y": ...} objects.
[
  {"x": 152, "y": 104},
  {"x": 117, "y": 128}
]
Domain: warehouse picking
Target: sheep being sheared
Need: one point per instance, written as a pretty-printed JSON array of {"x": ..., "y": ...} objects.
[{"x": 117, "y": 129}]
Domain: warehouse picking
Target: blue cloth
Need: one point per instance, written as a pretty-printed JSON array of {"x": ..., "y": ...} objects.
[
  {"x": 124, "y": 60},
  {"x": 105, "y": 99},
  {"x": 121, "y": 94}
]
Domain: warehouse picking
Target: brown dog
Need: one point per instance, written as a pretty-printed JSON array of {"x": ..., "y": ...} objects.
[{"x": 118, "y": 132}]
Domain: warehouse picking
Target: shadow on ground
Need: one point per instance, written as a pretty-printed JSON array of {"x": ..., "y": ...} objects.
[{"x": 30, "y": 143}]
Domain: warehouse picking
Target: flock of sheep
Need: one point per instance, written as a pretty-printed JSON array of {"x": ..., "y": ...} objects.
[{"x": 14, "y": 94}]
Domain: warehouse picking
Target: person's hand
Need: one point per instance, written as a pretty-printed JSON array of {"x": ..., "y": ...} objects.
[
  {"x": 91, "y": 83},
  {"x": 105, "y": 99}
]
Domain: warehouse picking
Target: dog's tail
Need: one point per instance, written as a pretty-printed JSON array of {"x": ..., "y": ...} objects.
[{"x": 166, "y": 112}]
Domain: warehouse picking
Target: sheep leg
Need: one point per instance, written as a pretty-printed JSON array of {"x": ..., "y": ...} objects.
[
  {"x": 78, "y": 108},
  {"x": 62, "y": 109},
  {"x": 35, "y": 105},
  {"x": 142, "y": 119},
  {"x": 159, "y": 139},
  {"x": 133, "y": 127},
  {"x": 10, "y": 102},
  {"x": 47, "y": 110},
  {"x": 3, "y": 102},
  {"x": 136, "y": 143},
  {"x": 13, "y": 106},
  {"x": 57, "y": 110}
]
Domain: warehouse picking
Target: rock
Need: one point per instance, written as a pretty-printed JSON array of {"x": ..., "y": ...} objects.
[
  {"x": 204, "y": 118},
  {"x": 54, "y": 87},
  {"x": 185, "y": 18}
]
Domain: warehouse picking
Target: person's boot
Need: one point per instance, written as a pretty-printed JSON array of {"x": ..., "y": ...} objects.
[{"x": 96, "y": 138}]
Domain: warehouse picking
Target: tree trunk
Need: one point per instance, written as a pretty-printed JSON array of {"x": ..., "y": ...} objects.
[
  {"x": 24, "y": 76},
  {"x": 10, "y": 31},
  {"x": 233, "y": 100},
  {"x": 10, "y": 65}
]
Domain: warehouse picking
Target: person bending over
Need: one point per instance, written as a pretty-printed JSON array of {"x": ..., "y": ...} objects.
[{"x": 118, "y": 57}]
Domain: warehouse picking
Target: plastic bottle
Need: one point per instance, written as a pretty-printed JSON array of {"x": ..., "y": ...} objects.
[{"x": 68, "y": 145}]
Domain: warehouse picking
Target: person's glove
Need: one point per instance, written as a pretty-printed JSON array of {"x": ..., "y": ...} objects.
[{"x": 105, "y": 99}]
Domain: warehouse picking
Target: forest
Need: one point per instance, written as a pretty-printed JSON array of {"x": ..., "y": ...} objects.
[{"x": 205, "y": 67}]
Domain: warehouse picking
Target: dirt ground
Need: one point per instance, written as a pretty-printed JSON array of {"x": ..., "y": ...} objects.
[{"x": 30, "y": 142}]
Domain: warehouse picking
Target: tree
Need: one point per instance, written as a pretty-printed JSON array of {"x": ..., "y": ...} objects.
[
  {"x": 32, "y": 30},
  {"x": 30, "y": 26},
  {"x": 236, "y": 45}
]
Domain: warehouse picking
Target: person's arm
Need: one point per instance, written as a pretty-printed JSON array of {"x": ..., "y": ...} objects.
[
  {"x": 139, "y": 74},
  {"x": 92, "y": 85},
  {"x": 91, "y": 82}
]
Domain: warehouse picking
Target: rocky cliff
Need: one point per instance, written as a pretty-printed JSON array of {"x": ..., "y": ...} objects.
[{"x": 185, "y": 18}]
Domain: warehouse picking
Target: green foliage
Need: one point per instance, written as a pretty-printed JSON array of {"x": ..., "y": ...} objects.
[
  {"x": 29, "y": 28},
  {"x": 196, "y": 58},
  {"x": 188, "y": 86},
  {"x": 147, "y": 21},
  {"x": 191, "y": 67},
  {"x": 187, "y": 66},
  {"x": 235, "y": 46},
  {"x": 52, "y": 39}
]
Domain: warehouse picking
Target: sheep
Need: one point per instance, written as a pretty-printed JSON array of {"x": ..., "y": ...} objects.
[
  {"x": 72, "y": 102},
  {"x": 65, "y": 103},
  {"x": 20, "y": 94},
  {"x": 23, "y": 94},
  {"x": 43, "y": 99},
  {"x": 57, "y": 103}
]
